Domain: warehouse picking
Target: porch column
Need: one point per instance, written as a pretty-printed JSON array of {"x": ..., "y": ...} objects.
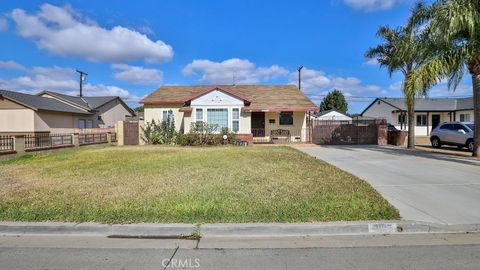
[{"x": 428, "y": 130}]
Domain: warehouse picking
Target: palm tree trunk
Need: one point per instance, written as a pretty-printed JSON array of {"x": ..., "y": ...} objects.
[
  {"x": 411, "y": 125},
  {"x": 476, "y": 113}
]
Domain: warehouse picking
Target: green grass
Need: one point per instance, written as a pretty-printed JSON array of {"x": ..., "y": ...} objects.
[{"x": 174, "y": 184}]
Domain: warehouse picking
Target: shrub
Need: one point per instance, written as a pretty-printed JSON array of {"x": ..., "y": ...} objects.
[
  {"x": 202, "y": 133},
  {"x": 160, "y": 133}
]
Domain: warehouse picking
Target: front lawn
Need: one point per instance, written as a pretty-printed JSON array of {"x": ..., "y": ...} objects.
[{"x": 191, "y": 185}]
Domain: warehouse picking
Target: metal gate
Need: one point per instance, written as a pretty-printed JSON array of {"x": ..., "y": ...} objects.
[
  {"x": 356, "y": 131},
  {"x": 130, "y": 133}
]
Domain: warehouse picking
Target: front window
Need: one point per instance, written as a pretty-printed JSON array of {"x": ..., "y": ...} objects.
[
  {"x": 421, "y": 120},
  {"x": 235, "y": 120},
  {"x": 81, "y": 123},
  {"x": 402, "y": 118},
  {"x": 464, "y": 117},
  {"x": 218, "y": 117},
  {"x": 167, "y": 115},
  {"x": 286, "y": 118},
  {"x": 471, "y": 126},
  {"x": 199, "y": 115},
  {"x": 89, "y": 123}
]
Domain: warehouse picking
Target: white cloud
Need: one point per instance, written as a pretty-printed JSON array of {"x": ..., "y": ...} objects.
[
  {"x": 138, "y": 75},
  {"x": 11, "y": 65},
  {"x": 3, "y": 24},
  {"x": 372, "y": 5},
  {"x": 239, "y": 71},
  {"x": 61, "y": 31},
  {"x": 62, "y": 80},
  {"x": 372, "y": 62}
]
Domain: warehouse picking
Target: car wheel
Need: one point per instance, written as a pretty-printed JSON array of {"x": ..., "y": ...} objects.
[
  {"x": 470, "y": 146},
  {"x": 436, "y": 142}
]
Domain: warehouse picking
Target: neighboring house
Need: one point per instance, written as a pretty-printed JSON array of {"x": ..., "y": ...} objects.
[
  {"x": 249, "y": 110},
  {"x": 429, "y": 112},
  {"x": 331, "y": 115},
  {"x": 51, "y": 112},
  {"x": 107, "y": 110}
]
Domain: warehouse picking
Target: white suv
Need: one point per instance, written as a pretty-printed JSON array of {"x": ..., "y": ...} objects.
[{"x": 455, "y": 133}]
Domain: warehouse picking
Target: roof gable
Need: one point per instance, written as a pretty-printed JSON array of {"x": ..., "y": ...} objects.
[{"x": 216, "y": 97}]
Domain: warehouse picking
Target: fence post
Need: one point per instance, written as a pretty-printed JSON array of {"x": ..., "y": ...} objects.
[
  {"x": 382, "y": 133},
  {"x": 75, "y": 140},
  {"x": 19, "y": 144},
  {"x": 109, "y": 137},
  {"x": 119, "y": 130},
  {"x": 141, "y": 126}
]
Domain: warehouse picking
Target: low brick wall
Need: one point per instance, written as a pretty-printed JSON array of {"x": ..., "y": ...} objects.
[{"x": 245, "y": 137}]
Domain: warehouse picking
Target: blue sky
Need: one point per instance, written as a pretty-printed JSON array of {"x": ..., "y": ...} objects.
[{"x": 131, "y": 48}]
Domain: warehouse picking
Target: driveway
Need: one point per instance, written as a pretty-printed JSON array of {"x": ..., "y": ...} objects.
[{"x": 422, "y": 186}]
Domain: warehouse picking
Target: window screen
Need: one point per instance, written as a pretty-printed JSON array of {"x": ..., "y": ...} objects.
[
  {"x": 286, "y": 118},
  {"x": 218, "y": 117},
  {"x": 81, "y": 124},
  {"x": 199, "y": 115},
  {"x": 167, "y": 115},
  {"x": 421, "y": 120},
  {"x": 89, "y": 123},
  {"x": 235, "y": 120}
]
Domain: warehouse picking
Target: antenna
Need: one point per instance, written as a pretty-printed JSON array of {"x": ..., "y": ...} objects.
[
  {"x": 83, "y": 76},
  {"x": 300, "y": 77}
]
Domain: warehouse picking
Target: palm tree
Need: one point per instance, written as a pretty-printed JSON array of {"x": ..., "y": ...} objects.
[
  {"x": 453, "y": 28},
  {"x": 402, "y": 51}
]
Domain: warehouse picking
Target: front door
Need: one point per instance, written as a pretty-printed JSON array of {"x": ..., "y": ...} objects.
[
  {"x": 258, "y": 124},
  {"x": 435, "y": 120}
]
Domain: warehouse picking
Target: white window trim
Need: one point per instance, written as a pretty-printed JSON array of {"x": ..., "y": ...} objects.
[
  {"x": 167, "y": 110},
  {"x": 230, "y": 115}
]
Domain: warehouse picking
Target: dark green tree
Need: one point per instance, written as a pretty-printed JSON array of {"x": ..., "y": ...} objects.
[
  {"x": 139, "y": 109},
  {"x": 334, "y": 100}
]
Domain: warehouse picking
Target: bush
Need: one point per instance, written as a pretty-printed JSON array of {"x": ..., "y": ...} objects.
[
  {"x": 202, "y": 133},
  {"x": 162, "y": 133}
]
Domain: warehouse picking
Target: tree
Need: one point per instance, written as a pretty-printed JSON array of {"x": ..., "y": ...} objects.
[
  {"x": 453, "y": 28},
  {"x": 139, "y": 109},
  {"x": 334, "y": 100},
  {"x": 402, "y": 50}
]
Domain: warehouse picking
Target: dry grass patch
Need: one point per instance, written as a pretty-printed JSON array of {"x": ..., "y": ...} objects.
[{"x": 174, "y": 184}]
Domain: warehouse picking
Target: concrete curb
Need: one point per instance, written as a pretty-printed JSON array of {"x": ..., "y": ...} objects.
[
  {"x": 61, "y": 228},
  {"x": 231, "y": 229}
]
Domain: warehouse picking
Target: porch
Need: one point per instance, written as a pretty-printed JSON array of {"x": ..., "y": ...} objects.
[{"x": 279, "y": 127}]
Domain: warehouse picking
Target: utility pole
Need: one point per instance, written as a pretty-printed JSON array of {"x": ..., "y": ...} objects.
[
  {"x": 82, "y": 78},
  {"x": 300, "y": 77}
]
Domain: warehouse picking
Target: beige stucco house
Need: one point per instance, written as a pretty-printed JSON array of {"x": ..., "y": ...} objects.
[
  {"x": 429, "y": 112},
  {"x": 50, "y": 112},
  {"x": 260, "y": 112}
]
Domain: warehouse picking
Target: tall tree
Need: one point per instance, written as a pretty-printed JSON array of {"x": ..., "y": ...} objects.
[
  {"x": 401, "y": 51},
  {"x": 453, "y": 28},
  {"x": 334, "y": 100}
]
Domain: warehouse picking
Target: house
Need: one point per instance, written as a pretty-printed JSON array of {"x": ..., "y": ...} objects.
[
  {"x": 50, "y": 112},
  {"x": 258, "y": 112},
  {"x": 429, "y": 112},
  {"x": 107, "y": 110},
  {"x": 331, "y": 115}
]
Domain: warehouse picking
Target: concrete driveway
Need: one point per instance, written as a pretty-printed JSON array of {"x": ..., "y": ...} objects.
[{"x": 422, "y": 186}]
